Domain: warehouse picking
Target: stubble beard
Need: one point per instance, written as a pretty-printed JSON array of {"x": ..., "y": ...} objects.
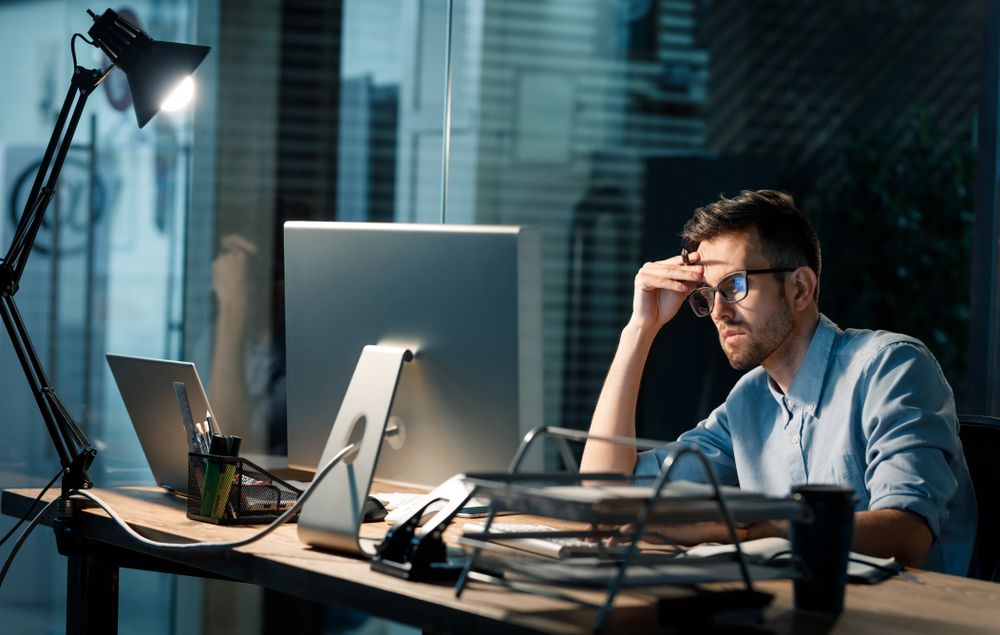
[{"x": 759, "y": 346}]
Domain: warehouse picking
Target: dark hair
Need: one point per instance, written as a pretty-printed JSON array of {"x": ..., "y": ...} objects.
[{"x": 780, "y": 232}]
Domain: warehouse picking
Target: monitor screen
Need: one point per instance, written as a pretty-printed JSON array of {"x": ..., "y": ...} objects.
[{"x": 466, "y": 300}]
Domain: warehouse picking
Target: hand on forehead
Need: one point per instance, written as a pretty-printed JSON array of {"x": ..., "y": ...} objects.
[{"x": 725, "y": 254}]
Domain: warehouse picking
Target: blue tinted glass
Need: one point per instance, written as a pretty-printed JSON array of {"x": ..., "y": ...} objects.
[
  {"x": 734, "y": 287},
  {"x": 739, "y": 283}
]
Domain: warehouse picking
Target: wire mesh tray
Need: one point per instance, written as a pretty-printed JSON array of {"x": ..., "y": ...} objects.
[
  {"x": 230, "y": 490},
  {"x": 616, "y": 504}
]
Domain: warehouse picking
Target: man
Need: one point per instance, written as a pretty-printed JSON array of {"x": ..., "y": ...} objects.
[{"x": 868, "y": 409}]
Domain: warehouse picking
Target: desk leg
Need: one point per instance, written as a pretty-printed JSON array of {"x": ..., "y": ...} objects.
[{"x": 91, "y": 596}]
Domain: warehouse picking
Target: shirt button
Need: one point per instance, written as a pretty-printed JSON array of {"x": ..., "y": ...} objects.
[{"x": 795, "y": 440}]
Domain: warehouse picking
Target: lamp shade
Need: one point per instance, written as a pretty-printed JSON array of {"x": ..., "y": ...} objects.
[
  {"x": 156, "y": 74},
  {"x": 153, "y": 68}
]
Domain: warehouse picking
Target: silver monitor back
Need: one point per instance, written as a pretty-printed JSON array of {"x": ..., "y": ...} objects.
[{"x": 465, "y": 299}]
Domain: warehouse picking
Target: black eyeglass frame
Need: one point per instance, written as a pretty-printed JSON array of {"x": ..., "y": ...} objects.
[{"x": 715, "y": 289}]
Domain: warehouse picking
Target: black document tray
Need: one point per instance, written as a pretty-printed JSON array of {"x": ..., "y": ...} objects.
[
  {"x": 613, "y": 503},
  {"x": 598, "y": 573}
]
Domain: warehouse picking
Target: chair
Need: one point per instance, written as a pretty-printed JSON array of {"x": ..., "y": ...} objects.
[{"x": 980, "y": 437}]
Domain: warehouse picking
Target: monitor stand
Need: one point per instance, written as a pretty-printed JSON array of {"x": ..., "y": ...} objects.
[{"x": 331, "y": 517}]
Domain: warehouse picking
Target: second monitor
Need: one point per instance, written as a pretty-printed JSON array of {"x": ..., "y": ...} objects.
[{"x": 465, "y": 299}]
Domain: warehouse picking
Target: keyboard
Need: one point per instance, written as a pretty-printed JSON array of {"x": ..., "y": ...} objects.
[
  {"x": 558, "y": 548},
  {"x": 402, "y": 505}
]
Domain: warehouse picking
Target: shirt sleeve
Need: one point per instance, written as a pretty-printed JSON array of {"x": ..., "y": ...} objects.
[
  {"x": 911, "y": 433},
  {"x": 712, "y": 437}
]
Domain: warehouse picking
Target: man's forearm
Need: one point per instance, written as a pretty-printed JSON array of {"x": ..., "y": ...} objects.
[
  {"x": 614, "y": 414},
  {"x": 227, "y": 383},
  {"x": 892, "y": 533},
  {"x": 884, "y": 533}
]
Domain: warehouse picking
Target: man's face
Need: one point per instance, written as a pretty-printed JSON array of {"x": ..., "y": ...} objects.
[{"x": 750, "y": 330}]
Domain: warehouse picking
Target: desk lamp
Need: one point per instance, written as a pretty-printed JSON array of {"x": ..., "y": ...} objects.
[{"x": 153, "y": 70}]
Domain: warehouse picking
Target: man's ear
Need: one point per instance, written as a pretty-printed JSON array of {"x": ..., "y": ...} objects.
[{"x": 804, "y": 283}]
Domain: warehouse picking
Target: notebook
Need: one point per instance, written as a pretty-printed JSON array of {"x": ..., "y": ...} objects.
[{"x": 146, "y": 387}]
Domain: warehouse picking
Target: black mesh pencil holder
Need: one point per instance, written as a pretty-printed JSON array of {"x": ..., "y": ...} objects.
[{"x": 230, "y": 490}]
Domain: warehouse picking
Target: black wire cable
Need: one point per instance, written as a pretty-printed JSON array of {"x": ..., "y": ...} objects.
[
  {"x": 879, "y": 567},
  {"x": 348, "y": 450},
  {"x": 22, "y": 538},
  {"x": 72, "y": 45},
  {"x": 196, "y": 546},
  {"x": 31, "y": 509},
  {"x": 787, "y": 554}
]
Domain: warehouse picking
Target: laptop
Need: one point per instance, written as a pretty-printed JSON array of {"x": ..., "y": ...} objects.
[{"x": 146, "y": 387}]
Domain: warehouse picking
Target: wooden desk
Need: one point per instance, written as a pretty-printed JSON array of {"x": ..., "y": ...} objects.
[{"x": 945, "y": 604}]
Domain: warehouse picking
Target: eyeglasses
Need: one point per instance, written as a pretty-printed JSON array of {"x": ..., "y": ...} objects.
[{"x": 733, "y": 289}]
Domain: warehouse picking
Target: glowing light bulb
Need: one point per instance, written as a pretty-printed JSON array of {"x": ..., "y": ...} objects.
[{"x": 179, "y": 96}]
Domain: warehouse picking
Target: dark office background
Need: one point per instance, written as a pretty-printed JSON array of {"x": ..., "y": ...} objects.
[{"x": 603, "y": 122}]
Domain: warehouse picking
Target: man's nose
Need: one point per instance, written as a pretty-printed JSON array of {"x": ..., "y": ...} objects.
[{"x": 720, "y": 308}]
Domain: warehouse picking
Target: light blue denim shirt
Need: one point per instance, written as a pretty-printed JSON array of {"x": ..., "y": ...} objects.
[{"x": 868, "y": 409}]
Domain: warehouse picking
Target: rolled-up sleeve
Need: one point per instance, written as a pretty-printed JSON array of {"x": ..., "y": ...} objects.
[
  {"x": 911, "y": 431},
  {"x": 712, "y": 437}
]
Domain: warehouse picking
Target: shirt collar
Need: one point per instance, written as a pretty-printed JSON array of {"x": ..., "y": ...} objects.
[{"x": 807, "y": 385}]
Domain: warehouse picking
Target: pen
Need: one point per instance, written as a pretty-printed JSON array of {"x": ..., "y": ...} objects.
[
  {"x": 203, "y": 436},
  {"x": 213, "y": 427},
  {"x": 208, "y": 435}
]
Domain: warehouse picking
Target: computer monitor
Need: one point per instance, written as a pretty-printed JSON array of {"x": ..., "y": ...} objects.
[{"x": 466, "y": 300}]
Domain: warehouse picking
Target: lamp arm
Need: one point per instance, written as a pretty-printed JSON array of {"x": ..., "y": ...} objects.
[
  {"x": 82, "y": 84},
  {"x": 33, "y": 201},
  {"x": 75, "y": 450}
]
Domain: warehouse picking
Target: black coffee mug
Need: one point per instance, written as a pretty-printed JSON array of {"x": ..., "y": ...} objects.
[{"x": 822, "y": 542}]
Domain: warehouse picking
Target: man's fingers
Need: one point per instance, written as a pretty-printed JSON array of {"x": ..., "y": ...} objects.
[
  {"x": 672, "y": 268},
  {"x": 236, "y": 242},
  {"x": 650, "y": 282},
  {"x": 693, "y": 273},
  {"x": 623, "y": 537},
  {"x": 671, "y": 274}
]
